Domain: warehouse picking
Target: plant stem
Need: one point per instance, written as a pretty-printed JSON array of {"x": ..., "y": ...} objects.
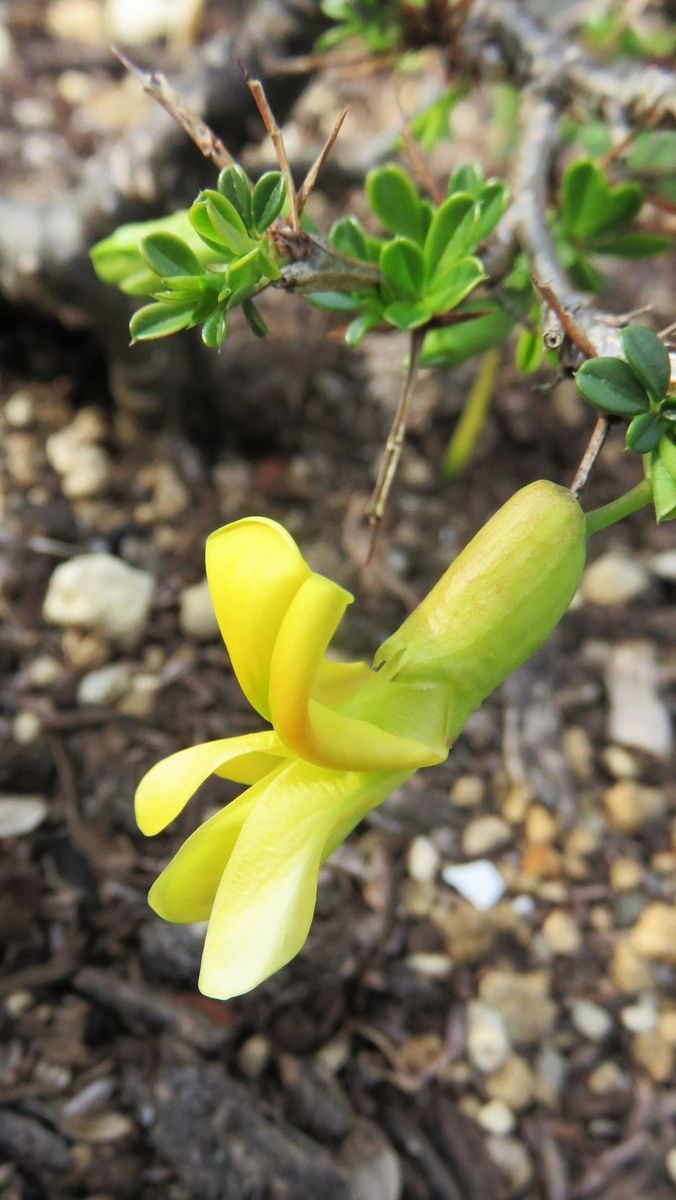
[
  {"x": 472, "y": 419},
  {"x": 594, "y": 448},
  {"x": 617, "y": 510}
]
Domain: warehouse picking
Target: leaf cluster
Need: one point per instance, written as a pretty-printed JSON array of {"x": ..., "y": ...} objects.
[
  {"x": 376, "y": 23},
  {"x": 637, "y": 391},
  {"x": 596, "y": 218}
]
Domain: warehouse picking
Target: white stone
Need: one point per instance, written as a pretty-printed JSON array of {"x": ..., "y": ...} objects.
[
  {"x": 43, "y": 671},
  {"x": 89, "y": 475},
  {"x": 614, "y": 579},
  {"x": 99, "y": 591},
  {"x": 196, "y": 617},
  {"x": 104, "y": 686},
  {"x": 487, "y": 1041},
  {"x": 640, "y": 1017},
  {"x": 480, "y": 882},
  {"x": 495, "y": 1117},
  {"x": 664, "y": 565},
  {"x": 135, "y": 23},
  {"x": 591, "y": 1020},
  {"x": 671, "y": 1164},
  {"x": 21, "y": 814},
  {"x": 20, "y": 408},
  {"x": 26, "y": 727},
  {"x": 638, "y": 717},
  {"x": 422, "y": 860}
]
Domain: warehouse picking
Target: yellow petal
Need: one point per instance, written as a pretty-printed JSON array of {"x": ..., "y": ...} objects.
[
  {"x": 254, "y": 569},
  {"x": 186, "y": 888},
  {"x": 166, "y": 788},
  {"x": 266, "y": 897},
  {"x": 316, "y": 733}
]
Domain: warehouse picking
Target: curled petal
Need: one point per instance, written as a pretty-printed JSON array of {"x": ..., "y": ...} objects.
[
  {"x": 314, "y": 732},
  {"x": 166, "y": 788},
  {"x": 254, "y": 569},
  {"x": 265, "y": 900}
]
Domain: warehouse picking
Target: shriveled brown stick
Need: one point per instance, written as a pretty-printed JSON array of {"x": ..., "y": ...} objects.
[
  {"x": 594, "y": 448},
  {"x": 311, "y": 178},
  {"x": 157, "y": 86},
  {"x": 275, "y": 134},
  {"x": 389, "y": 460}
]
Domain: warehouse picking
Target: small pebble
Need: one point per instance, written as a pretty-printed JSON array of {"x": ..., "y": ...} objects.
[
  {"x": 625, "y": 874},
  {"x": 608, "y": 1078},
  {"x": 254, "y": 1055},
  {"x": 654, "y": 934},
  {"x": 640, "y": 1017},
  {"x": 619, "y": 762},
  {"x": 562, "y": 933},
  {"x": 485, "y": 834},
  {"x": 20, "y": 410},
  {"x": 522, "y": 1000},
  {"x": 614, "y": 579},
  {"x": 512, "y": 1158},
  {"x": 433, "y": 965},
  {"x": 422, "y": 860},
  {"x": 197, "y": 618},
  {"x": 630, "y": 805},
  {"x": 26, "y": 727},
  {"x": 487, "y": 1040},
  {"x": 101, "y": 592},
  {"x": 140, "y": 699},
  {"x": 637, "y": 714},
  {"x": 21, "y": 814},
  {"x": 541, "y": 825},
  {"x": 671, "y": 1164},
  {"x": 664, "y": 565},
  {"x": 591, "y": 1020},
  {"x": 513, "y": 1083},
  {"x": 478, "y": 882},
  {"x": 43, "y": 671},
  {"x": 467, "y": 791},
  {"x": 666, "y": 1026},
  {"x": 629, "y": 972},
  {"x": 104, "y": 686},
  {"x": 650, "y": 1051},
  {"x": 579, "y": 751},
  {"x": 89, "y": 475},
  {"x": 551, "y": 1071},
  {"x": 496, "y": 1118}
]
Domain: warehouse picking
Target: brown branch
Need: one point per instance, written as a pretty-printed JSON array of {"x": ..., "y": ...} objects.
[
  {"x": 275, "y": 134},
  {"x": 594, "y": 448},
  {"x": 158, "y": 87},
  {"x": 311, "y": 178}
]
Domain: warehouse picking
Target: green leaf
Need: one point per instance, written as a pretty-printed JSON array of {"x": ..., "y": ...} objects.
[
  {"x": 214, "y": 329},
  {"x": 203, "y": 225},
  {"x": 333, "y": 301},
  {"x": 590, "y": 206},
  {"x": 455, "y": 344},
  {"x": 402, "y": 267},
  {"x": 167, "y": 255},
  {"x": 529, "y": 351},
  {"x": 442, "y": 240},
  {"x": 452, "y": 285},
  {"x": 667, "y": 449},
  {"x": 347, "y": 237},
  {"x": 467, "y": 178},
  {"x": 434, "y": 124},
  {"x": 648, "y": 358},
  {"x": 663, "y": 484},
  {"x": 643, "y": 433},
  {"x": 632, "y": 245},
  {"x": 234, "y": 185},
  {"x": 492, "y": 204},
  {"x": 254, "y": 319},
  {"x": 117, "y": 259},
  {"x": 269, "y": 196},
  {"x": 610, "y": 385},
  {"x": 395, "y": 201},
  {"x": 405, "y": 314},
  {"x": 357, "y": 329},
  {"x": 160, "y": 320},
  {"x": 227, "y": 222}
]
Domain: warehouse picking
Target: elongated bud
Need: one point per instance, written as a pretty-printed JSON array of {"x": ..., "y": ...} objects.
[{"x": 497, "y": 602}]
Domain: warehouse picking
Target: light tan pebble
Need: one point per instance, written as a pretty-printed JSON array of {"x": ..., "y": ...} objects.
[
  {"x": 640, "y": 1017},
  {"x": 102, "y": 592},
  {"x": 7, "y": 51},
  {"x": 663, "y": 862},
  {"x": 614, "y": 579},
  {"x": 650, "y": 1051},
  {"x": 89, "y": 476},
  {"x": 74, "y": 86},
  {"x": 253, "y": 1055},
  {"x": 513, "y": 1083},
  {"x": 484, "y": 835},
  {"x": 432, "y": 965},
  {"x": 417, "y": 898},
  {"x": 541, "y": 825},
  {"x": 76, "y": 20},
  {"x": 630, "y": 805},
  {"x": 654, "y": 934},
  {"x": 637, "y": 714},
  {"x": 84, "y": 651},
  {"x": 542, "y": 861},
  {"x": 591, "y": 1020},
  {"x": 43, "y": 671},
  {"x": 495, "y": 1117},
  {"x": 553, "y": 892},
  {"x": 562, "y": 933},
  {"x": 422, "y": 860},
  {"x": 140, "y": 699},
  {"x": 467, "y": 791},
  {"x": 196, "y": 617},
  {"x": 23, "y": 458},
  {"x": 671, "y": 1164},
  {"x": 514, "y": 807},
  {"x": 551, "y": 1072},
  {"x": 170, "y": 496},
  {"x": 17, "y": 1003},
  {"x": 625, "y": 874},
  {"x": 523, "y": 1001},
  {"x": 487, "y": 1039},
  {"x": 26, "y": 727},
  {"x": 337, "y": 1053},
  {"x": 135, "y": 24},
  {"x": 608, "y": 1078},
  {"x": 20, "y": 410},
  {"x": 666, "y": 1026},
  {"x": 619, "y": 762},
  {"x": 469, "y": 1106},
  {"x": 578, "y": 751},
  {"x": 512, "y": 1158},
  {"x": 629, "y": 972},
  {"x": 104, "y": 686},
  {"x": 601, "y": 918},
  {"x": 582, "y": 841}
]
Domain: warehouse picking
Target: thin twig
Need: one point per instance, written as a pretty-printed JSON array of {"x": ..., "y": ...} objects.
[
  {"x": 157, "y": 86},
  {"x": 594, "y": 447},
  {"x": 395, "y": 440},
  {"x": 568, "y": 323},
  {"x": 311, "y": 178},
  {"x": 275, "y": 134}
]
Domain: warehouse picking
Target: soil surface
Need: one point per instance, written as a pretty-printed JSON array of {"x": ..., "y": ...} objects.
[{"x": 420, "y": 1047}]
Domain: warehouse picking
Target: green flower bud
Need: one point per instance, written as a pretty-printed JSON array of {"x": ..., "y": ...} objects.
[{"x": 497, "y": 602}]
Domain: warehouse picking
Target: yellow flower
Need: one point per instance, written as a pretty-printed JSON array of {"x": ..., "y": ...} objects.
[{"x": 343, "y": 735}]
